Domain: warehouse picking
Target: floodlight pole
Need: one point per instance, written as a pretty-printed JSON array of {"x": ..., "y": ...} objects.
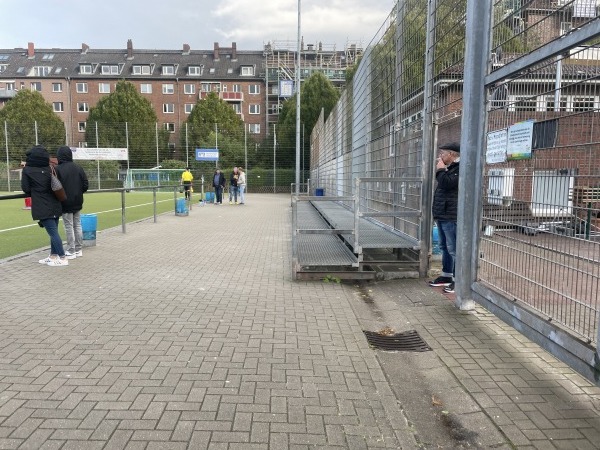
[{"x": 298, "y": 104}]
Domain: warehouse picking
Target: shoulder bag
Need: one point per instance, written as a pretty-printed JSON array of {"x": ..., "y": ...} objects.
[{"x": 57, "y": 187}]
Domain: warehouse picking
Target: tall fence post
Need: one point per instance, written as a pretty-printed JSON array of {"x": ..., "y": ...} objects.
[
  {"x": 98, "y": 161},
  {"x": 7, "y": 157},
  {"x": 35, "y": 127},
  {"x": 474, "y": 126}
]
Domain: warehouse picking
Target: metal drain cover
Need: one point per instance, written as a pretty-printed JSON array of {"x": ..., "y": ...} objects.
[{"x": 407, "y": 341}]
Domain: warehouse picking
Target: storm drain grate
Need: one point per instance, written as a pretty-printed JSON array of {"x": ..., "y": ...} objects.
[{"x": 407, "y": 341}]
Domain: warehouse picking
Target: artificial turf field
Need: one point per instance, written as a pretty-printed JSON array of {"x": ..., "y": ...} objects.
[{"x": 19, "y": 233}]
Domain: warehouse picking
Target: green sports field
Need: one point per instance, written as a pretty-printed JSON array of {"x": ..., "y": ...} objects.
[{"x": 20, "y": 233}]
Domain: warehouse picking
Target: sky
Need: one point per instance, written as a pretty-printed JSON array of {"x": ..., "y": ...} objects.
[{"x": 168, "y": 24}]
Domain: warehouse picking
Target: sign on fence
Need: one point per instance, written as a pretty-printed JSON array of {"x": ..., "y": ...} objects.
[
  {"x": 496, "y": 146},
  {"x": 520, "y": 138},
  {"x": 103, "y": 153},
  {"x": 207, "y": 154}
]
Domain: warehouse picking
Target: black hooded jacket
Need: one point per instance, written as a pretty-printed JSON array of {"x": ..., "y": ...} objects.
[
  {"x": 35, "y": 182},
  {"x": 445, "y": 198},
  {"x": 73, "y": 179}
]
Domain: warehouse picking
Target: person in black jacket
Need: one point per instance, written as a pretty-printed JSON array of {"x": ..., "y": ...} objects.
[
  {"x": 219, "y": 185},
  {"x": 75, "y": 182},
  {"x": 45, "y": 207},
  {"x": 445, "y": 211}
]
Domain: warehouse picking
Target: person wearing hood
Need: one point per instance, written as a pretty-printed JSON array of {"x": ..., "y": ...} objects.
[
  {"x": 45, "y": 207},
  {"x": 75, "y": 183}
]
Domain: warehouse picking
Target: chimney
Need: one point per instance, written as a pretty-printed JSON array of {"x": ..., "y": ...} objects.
[
  {"x": 186, "y": 49},
  {"x": 216, "y": 51},
  {"x": 233, "y": 50},
  {"x": 129, "y": 49},
  {"x": 30, "y": 50},
  {"x": 84, "y": 48}
]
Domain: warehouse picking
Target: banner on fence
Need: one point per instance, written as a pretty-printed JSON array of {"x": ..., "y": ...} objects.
[
  {"x": 102, "y": 153},
  {"x": 207, "y": 154},
  {"x": 520, "y": 138},
  {"x": 496, "y": 147}
]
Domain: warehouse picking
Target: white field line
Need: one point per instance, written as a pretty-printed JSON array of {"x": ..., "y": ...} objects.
[{"x": 99, "y": 212}]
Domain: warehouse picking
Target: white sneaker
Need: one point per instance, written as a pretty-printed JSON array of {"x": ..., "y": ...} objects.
[
  {"x": 46, "y": 260},
  {"x": 56, "y": 262},
  {"x": 79, "y": 253},
  {"x": 70, "y": 255}
]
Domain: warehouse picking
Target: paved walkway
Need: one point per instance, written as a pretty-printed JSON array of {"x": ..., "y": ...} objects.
[{"x": 190, "y": 333}]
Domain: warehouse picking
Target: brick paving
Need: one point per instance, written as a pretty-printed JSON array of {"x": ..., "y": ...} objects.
[{"x": 190, "y": 333}]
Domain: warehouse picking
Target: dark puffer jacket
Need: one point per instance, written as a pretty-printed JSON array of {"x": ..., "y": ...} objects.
[
  {"x": 73, "y": 179},
  {"x": 35, "y": 182},
  {"x": 445, "y": 198}
]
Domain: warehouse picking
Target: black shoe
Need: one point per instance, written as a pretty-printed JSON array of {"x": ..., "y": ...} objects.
[
  {"x": 449, "y": 289},
  {"x": 441, "y": 281}
]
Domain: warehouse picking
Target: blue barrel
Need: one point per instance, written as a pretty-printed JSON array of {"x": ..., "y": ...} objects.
[
  {"x": 89, "y": 225},
  {"x": 435, "y": 241},
  {"x": 209, "y": 197},
  {"x": 320, "y": 192},
  {"x": 181, "y": 207}
]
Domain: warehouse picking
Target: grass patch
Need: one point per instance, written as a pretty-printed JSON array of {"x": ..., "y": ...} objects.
[{"x": 20, "y": 233}]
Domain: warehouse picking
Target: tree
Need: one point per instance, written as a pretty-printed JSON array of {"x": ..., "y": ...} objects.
[
  {"x": 316, "y": 93},
  {"x": 22, "y": 114},
  {"x": 127, "y": 106},
  {"x": 229, "y": 132}
]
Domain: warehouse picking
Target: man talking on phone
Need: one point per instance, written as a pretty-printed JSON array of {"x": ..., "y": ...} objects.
[{"x": 445, "y": 209}]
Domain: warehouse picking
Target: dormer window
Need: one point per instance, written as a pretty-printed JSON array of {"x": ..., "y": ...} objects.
[
  {"x": 85, "y": 68},
  {"x": 110, "y": 69},
  {"x": 48, "y": 57},
  {"x": 141, "y": 69},
  {"x": 194, "y": 71},
  {"x": 247, "y": 71},
  {"x": 41, "y": 71},
  {"x": 212, "y": 70},
  {"x": 168, "y": 70}
]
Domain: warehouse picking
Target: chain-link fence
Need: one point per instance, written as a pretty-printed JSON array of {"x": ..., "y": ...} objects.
[
  {"x": 535, "y": 237},
  {"x": 269, "y": 162}
]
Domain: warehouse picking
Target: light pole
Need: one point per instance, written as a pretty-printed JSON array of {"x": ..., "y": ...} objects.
[{"x": 298, "y": 105}]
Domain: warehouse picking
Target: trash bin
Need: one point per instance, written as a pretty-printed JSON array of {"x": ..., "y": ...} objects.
[
  {"x": 181, "y": 208},
  {"x": 27, "y": 203},
  {"x": 320, "y": 192},
  {"x": 209, "y": 197},
  {"x": 89, "y": 225}
]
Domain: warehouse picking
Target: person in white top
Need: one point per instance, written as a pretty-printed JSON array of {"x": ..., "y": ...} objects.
[{"x": 242, "y": 185}]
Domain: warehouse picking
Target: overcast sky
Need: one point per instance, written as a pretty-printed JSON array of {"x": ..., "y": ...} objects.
[{"x": 168, "y": 24}]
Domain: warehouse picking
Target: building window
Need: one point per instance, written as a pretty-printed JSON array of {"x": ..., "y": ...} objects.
[
  {"x": 168, "y": 89},
  {"x": 211, "y": 70},
  {"x": 41, "y": 71},
  {"x": 205, "y": 87},
  {"x": 82, "y": 107},
  {"x": 189, "y": 88},
  {"x": 194, "y": 71},
  {"x": 36, "y": 86},
  {"x": 56, "y": 87},
  {"x": 237, "y": 107},
  {"x": 168, "y": 108},
  {"x": 10, "y": 86},
  {"x": 168, "y": 70},
  {"x": 172, "y": 146},
  {"x": 522, "y": 104},
  {"x": 188, "y": 108},
  {"x": 110, "y": 69},
  {"x": 81, "y": 88},
  {"x": 247, "y": 71},
  {"x": 229, "y": 71},
  {"x": 254, "y": 109},
  {"x": 254, "y": 89},
  {"x": 170, "y": 127},
  {"x": 48, "y": 57},
  {"x": 582, "y": 104},
  {"x": 85, "y": 68},
  {"x": 81, "y": 127},
  {"x": 3, "y": 67},
  {"x": 549, "y": 103},
  {"x": 237, "y": 88},
  {"x": 141, "y": 70},
  {"x": 57, "y": 107},
  {"x": 104, "y": 88},
  {"x": 254, "y": 128},
  {"x": 146, "y": 88}
]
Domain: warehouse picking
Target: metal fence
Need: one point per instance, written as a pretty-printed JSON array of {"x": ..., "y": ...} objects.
[
  {"x": 517, "y": 83},
  {"x": 269, "y": 160}
]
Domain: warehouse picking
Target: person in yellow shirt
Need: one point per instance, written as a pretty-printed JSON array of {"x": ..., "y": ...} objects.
[{"x": 186, "y": 180}]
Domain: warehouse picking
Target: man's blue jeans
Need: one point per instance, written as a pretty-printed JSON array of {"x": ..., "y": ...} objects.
[
  {"x": 447, "y": 231},
  {"x": 56, "y": 245}
]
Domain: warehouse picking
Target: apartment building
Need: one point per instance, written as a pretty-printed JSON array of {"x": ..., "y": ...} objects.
[{"x": 74, "y": 80}]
